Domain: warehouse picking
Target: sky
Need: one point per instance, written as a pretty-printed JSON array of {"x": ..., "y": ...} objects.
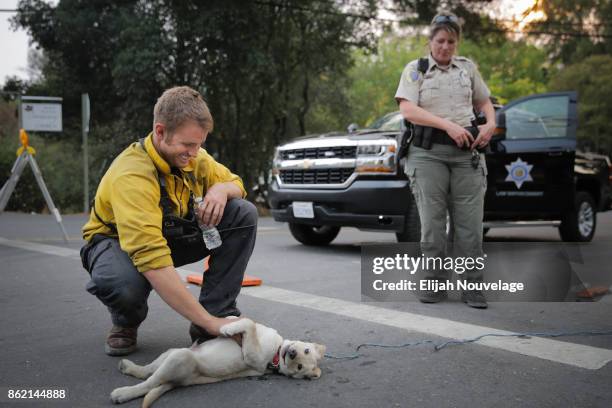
[{"x": 14, "y": 45}]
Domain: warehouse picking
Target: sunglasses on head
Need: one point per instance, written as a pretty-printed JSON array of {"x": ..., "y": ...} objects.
[{"x": 446, "y": 19}]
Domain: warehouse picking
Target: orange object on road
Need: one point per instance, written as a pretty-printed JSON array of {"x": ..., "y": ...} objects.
[
  {"x": 248, "y": 280},
  {"x": 593, "y": 292}
]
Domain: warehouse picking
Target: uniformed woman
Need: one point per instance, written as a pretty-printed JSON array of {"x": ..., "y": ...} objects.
[{"x": 439, "y": 94}]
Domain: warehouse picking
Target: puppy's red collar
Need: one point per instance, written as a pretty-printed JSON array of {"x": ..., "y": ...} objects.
[{"x": 275, "y": 360}]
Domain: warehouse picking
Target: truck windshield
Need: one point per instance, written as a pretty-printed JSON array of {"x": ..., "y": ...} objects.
[{"x": 390, "y": 121}]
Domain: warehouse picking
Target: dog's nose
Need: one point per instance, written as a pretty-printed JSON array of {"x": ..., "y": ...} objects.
[{"x": 292, "y": 354}]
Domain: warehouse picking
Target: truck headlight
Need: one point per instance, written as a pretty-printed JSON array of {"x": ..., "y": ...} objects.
[
  {"x": 370, "y": 150},
  {"x": 375, "y": 158}
]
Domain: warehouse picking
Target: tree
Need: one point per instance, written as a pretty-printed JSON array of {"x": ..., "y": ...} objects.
[
  {"x": 578, "y": 28},
  {"x": 594, "y": 109},
  {"x": 375, "y": 77},
  {"x": 477, "y": 26},
  {"x": 261, "y": 65},
  {"x": 511, "y": 70}
]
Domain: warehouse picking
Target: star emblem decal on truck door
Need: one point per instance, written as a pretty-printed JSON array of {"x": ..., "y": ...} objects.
[{"x": 518, "y": 172}]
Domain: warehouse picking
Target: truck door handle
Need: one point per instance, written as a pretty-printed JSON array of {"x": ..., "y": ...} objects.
[{"x": 555, "y": 153}]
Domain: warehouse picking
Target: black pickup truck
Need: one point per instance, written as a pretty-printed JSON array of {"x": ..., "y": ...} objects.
[{"x": 535, "y": 177}]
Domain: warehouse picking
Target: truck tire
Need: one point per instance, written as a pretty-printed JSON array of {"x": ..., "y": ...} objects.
[
  {"x": 412, "y": 225},
  {"x": 579, "y": 224},
  {"x": 312, "y": 234}
]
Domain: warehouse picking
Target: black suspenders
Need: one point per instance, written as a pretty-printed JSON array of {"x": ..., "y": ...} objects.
[{"x": 164, "y": 200}]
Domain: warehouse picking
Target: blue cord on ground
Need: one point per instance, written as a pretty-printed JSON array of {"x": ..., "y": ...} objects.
[{"x": 440, "y": 346}]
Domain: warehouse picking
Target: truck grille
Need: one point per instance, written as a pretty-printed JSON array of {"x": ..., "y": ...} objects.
[
  {"x": 340, "y": 152},
  {"x": 315, "y": 176}
]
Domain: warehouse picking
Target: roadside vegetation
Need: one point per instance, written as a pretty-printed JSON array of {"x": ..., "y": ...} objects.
[{"x": 273, "y": 70}]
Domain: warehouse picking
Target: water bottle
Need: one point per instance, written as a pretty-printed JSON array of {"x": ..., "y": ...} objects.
[{"x": 212, "y": 238}]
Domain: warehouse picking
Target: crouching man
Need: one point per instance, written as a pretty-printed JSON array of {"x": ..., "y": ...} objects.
[{"x": 143, "y": 225}]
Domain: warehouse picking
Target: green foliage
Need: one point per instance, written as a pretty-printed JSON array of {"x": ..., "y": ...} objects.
[
  {"x": 60, "y": 163},
  {"x": 592, "y": 78},
  {"x": 332, "y": 110},
  {"x": 375, "y": 76},
  {"x": 269, "y": 71},
  {"x": 261, "y": 66},
  {"x": 511, "y": 69},
  {"x": 579, "y": 28},
  {"x": 477, "y": 25},
  {"x": 61, "y": 167}
]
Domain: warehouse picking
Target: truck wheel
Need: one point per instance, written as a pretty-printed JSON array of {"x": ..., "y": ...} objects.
[
  {"x": 579, "y": 224},
  {"x": 412, "y": 225},
  {"x": 314, "y": 235}
]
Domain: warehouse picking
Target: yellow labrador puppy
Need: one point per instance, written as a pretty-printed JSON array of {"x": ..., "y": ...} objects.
[{"x": 263, "y": 351}]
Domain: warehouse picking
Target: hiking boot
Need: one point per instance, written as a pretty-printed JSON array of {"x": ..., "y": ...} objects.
[
  {"x": 198, "y": 334},
  {"x": 474, "y": 298},
  {"x": 429, "y": 296},
  {"x": 121, "y": 341}
]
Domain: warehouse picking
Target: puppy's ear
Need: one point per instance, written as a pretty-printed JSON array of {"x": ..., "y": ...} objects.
[
  {"x": 316, "y": 374},
  {"x": 320, "y": 350}
]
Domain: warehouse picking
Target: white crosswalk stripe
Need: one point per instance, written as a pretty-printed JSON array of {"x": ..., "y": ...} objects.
[{"x": 577, "y": 355}]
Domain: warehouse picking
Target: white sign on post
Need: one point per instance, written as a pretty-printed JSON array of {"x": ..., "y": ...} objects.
[{"x": 44, "y": 117}]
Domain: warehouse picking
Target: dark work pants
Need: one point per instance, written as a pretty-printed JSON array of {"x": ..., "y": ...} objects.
[{"x": 124, "y": 291}]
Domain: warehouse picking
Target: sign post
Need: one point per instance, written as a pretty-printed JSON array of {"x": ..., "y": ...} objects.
[{"x": 85, "y": 112}]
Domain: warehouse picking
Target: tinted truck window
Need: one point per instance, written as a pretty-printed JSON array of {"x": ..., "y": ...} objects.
[{"x": 538, "y": 118}]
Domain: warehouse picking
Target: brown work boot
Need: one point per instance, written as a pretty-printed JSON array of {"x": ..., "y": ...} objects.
[{"x": 121, "y": 341}]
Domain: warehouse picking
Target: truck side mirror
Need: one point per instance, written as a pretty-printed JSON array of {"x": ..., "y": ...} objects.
[
  {"x": 352, "y": 128},
  {"x": 500, "y": 131}
]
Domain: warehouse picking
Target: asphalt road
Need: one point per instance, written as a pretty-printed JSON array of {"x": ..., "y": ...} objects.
[{"x": 53, "y": 331}]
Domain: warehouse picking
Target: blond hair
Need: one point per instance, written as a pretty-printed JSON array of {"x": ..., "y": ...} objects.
[
  {"x": 179, "y": 105},
  {"x": 451, "y": 24}
]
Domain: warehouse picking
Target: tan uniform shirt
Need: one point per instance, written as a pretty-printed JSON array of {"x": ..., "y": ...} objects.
[{"x": 448, "y": 93}]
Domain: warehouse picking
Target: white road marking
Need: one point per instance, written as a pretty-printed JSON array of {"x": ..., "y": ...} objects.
[
  {"x": 577, "y": 355},
  {"x": 43, "y": 248},
  {"x": 261, "y": 229}
]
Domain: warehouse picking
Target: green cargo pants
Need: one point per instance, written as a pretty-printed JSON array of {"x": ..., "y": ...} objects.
[{"x": 443, "y": 179}]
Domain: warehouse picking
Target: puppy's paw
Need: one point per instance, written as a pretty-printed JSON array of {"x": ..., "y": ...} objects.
[
  {"x": 126, "y": 366},
  {"x": 237, "y": 327},
  {"x": 120, "y": 395}
]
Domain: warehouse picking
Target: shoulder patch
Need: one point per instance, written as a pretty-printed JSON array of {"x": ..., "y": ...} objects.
[{"x": 413, "y": 76}]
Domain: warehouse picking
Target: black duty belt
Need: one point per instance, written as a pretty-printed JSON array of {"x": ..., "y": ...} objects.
[
  {"x": 439, "y": 136},
  {"x": 425, "y": 136}
]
